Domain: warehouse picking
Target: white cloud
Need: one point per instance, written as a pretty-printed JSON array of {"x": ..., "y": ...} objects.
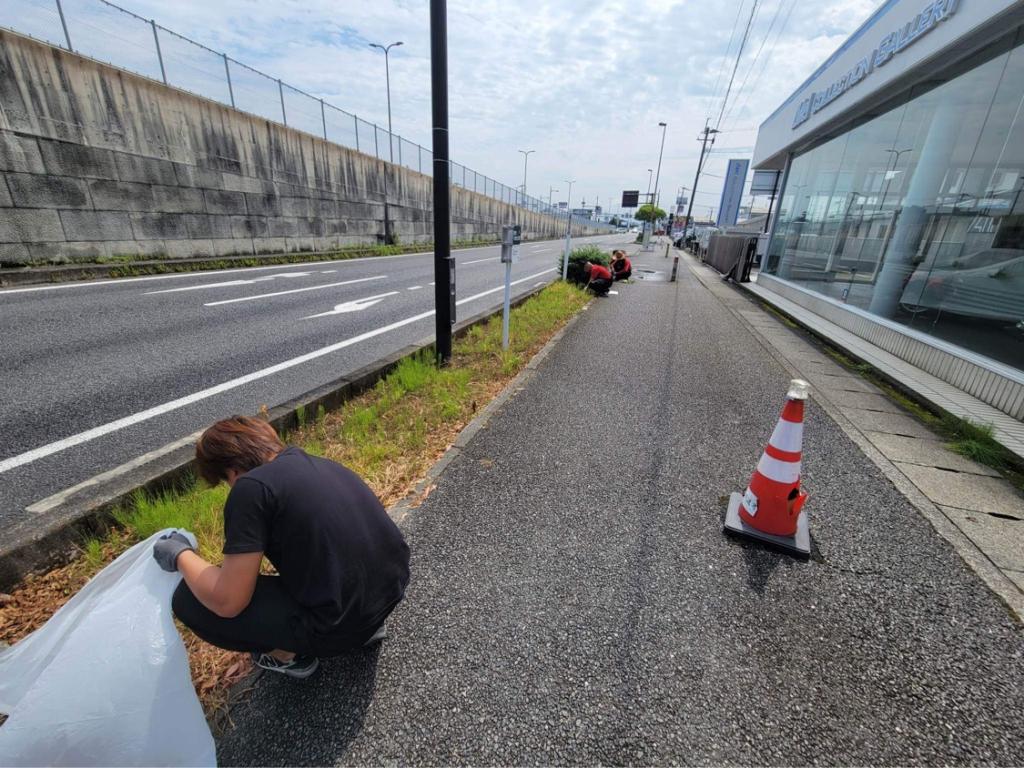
[{"x": 583, "y": 82}]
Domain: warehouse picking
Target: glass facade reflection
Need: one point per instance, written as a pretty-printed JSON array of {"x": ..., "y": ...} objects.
[{"x": 917, "y": 215}]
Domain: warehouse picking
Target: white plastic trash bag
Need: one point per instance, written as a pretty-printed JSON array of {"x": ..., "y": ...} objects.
[{"x": 106, "y": 680}]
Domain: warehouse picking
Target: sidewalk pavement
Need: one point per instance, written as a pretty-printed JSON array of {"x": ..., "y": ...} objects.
[{"x": 574, "y": 600}]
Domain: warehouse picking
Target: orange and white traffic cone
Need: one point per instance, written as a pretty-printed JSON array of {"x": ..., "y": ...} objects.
[{"x": 771, "y": 509}]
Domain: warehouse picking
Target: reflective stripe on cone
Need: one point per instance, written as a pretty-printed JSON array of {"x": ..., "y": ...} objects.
[{"x": 773, "y": 498}]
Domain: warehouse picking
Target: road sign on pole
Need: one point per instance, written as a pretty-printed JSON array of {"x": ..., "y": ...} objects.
[{"x": 511, "y": 236}]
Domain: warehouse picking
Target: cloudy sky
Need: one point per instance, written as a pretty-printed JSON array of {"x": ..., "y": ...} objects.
[{"x": 582, "y": 82}]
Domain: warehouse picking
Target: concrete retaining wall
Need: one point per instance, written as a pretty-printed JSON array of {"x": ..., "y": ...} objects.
[{"x": 99, "y": 163}]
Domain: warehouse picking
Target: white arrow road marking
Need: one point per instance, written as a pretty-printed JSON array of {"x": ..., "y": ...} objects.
[
  {"x": 293, "y": 290},
  {"x": 229, "y": 283},
  {"x": 354, "y": 306},
  {"x": 158, "y": 410}
]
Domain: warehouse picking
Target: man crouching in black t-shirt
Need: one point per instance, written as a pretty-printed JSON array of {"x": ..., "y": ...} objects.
[{"x": 343, "y": 563}]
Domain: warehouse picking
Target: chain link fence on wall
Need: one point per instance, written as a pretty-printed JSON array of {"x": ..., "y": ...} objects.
[{"x": 108, "y": 33}]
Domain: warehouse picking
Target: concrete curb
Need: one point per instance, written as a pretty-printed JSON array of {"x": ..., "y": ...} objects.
[
  {"x": 52, "y": 536},
  {"x": 967, "y": 550}
]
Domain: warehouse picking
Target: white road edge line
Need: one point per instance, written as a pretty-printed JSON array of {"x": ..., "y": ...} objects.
[
  {"x": 293, "y": 290},
  {"x": 150, "y": 413},
  {"x": 45, "y": 505}
]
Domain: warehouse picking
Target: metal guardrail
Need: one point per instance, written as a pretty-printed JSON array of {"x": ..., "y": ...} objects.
[{"x": 111, "y": 34}]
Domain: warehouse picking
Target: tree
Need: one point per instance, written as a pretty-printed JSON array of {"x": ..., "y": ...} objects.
[
  {"x": 614, "y": 221},
  {"x": 649, "y": 212}
]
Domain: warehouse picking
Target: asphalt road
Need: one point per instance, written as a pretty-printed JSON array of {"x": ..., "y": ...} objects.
[
  {"x": 574, "y": 601},
  {"x": 95, "y": 374}
]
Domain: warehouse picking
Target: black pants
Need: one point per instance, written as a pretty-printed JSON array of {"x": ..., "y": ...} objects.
[
  {"x": 600, "y": 287},
  {"x": 272, "y": 620}
]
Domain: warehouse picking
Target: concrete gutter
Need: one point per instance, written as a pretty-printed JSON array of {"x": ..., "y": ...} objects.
[{"x": 54, "y": 533}]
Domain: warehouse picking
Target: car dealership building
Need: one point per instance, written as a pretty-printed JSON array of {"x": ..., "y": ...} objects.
[{"x": 900, "y": 219}]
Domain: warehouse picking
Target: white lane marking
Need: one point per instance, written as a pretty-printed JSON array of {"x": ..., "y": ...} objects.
[
  {"x": 293, "y": 290},
  {"x": 229, "y": 283},
  {"x": 414, "y": 288},
  {"x": 354, "y": 306},
  {"x": 45, "y": 505},
  {"x": 501, "y": 287},
  {"x": 328, "y": 271},
  {"x": 431, "y": 282},
  {"x": 212, "y": 272},
  {"x": 478, "y": 261},
  {"x": 105, "y": 429}
]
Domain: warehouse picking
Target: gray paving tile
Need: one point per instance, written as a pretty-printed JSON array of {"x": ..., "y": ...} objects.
[
  {"x": 864, "y": 400},
  {"x": 1002, "y": 541},
  {"x": 891, "y": 423},
  {"x": 964, "y": 491},
  {"x": 843, "y": 382},
  {"x": 930, "y": 453}
]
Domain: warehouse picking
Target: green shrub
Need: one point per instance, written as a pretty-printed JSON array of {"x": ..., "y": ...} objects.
[{"x": 581, "y": 256}]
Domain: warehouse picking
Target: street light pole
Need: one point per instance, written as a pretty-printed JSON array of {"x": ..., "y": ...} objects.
[
  {"x": 444, "y": 265},
  {"x": 387, "y": 78},
  {"x": 526, "y": 156},
  {"x": 657, "y": 181},
  {"x": 568, "y": 229},
  {"x": 551, "y": 191}
]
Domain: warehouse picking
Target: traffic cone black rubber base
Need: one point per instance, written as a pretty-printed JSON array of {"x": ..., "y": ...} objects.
[{"x": 798, "y": 545}]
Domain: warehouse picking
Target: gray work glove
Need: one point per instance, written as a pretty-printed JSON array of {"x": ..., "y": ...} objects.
[{"x": 167, "y": 549}]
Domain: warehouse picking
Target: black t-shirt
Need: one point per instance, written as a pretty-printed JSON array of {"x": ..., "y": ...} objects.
[{"x": 339, "y": 554}]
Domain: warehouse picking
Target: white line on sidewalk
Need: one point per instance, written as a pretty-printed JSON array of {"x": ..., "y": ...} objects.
[
  {"x": 293, "y": 290},
  {"x": 150, "y": 413}
]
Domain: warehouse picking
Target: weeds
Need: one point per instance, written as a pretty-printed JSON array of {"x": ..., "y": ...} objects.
[{"x": 971, "y": 439}]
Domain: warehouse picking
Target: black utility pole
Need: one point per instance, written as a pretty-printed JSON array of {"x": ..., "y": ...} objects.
[
  {"x": 708, "y": 132},
  {"x": 444, "y": 266}
]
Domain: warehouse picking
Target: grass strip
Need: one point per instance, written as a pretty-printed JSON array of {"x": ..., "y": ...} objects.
[{"x": 390, "y": 435}]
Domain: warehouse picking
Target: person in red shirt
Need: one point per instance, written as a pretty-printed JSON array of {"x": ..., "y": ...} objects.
[
  {"x": 622, "y": 268},
  {"x": 599, "y": 278}
]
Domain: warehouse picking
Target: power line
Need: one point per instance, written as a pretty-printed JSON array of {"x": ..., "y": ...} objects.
[
  {"x": 771, "y": 50},
  {"x": 753, "y": 62},
  {"x": 739, "y": 55},
  {"x": 713, "y": 96}
]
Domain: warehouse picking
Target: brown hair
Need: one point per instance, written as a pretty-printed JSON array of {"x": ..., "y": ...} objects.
[{"x": 240, "y": 443}]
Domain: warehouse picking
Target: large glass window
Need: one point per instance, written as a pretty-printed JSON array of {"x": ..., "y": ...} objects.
[{"x": 917, "y": 215}]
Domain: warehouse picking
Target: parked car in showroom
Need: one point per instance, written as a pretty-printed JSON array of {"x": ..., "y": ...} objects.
[{"x": 987, "y": 284}]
